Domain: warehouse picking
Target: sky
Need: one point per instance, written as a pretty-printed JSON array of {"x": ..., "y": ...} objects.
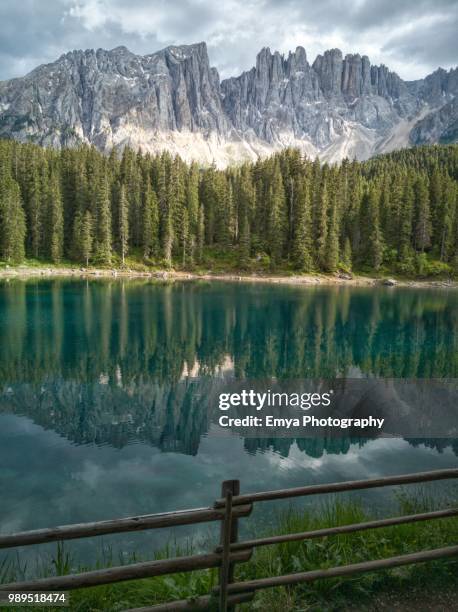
[{"x": 412, "y": 37}]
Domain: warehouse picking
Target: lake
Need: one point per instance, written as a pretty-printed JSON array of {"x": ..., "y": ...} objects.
[{"x": 104, "y": 389}]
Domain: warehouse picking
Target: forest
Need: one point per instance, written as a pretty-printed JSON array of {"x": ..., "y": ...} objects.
[{"x": 397, "y": 212}]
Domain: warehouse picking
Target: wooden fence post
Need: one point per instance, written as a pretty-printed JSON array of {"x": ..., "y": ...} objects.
[
  {"x": 225, "y": 554},
  {"x": 229, "y": 489}
]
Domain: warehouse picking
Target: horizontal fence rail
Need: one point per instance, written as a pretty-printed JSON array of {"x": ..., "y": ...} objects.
[
  {"x": 344, "y": 570},
  {"x": 228, "y": 510},
  {"x": 196, "y": 604},
  {"x": 341, "y": 529},
  {"x": 336, "y": 487},
  {"x": 135, "y": 523},
  {"x": 133, "y": 571}
]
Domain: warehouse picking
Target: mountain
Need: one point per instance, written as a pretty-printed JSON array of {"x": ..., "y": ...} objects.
[{"x": 335, "y": 107}]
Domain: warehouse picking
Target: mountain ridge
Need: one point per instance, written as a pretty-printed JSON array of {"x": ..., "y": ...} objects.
[{"x": 338, "y": 106}]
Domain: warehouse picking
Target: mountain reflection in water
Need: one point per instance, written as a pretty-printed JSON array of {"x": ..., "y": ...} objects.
[
  {"x": 114, "y": 362},
  {"x": 105, "y": 387}
]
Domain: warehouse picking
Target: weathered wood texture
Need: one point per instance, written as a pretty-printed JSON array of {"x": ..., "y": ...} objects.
[
  {"x": 228, "y": 509},
  {"x": 196, "y": 604},
  {"x": 225, "y": 553},
  {"x": 134, "y": 571},
  {"x": 335, "y": 487},
  {"x": 344, "y": 570},
  {"x": 136, "y": 523},
  {"x": 232, "y": 488},
  {"x": 353, "y": 527}
]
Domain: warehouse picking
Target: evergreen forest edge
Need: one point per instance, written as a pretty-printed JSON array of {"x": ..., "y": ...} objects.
[{"x": 394, "y": 213}]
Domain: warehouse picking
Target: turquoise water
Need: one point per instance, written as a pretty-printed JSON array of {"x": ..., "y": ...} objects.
[{"x": 104, "y": 388}]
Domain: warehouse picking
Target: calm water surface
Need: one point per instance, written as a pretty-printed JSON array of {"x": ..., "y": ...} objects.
[{"x": 103, "y": 387}]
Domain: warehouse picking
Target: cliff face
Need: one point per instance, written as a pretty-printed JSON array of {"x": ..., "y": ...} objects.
[
  {"x": 318, "y": 103},
  {"x": 104, "y": 97},
  {"x": 336, "y": 107}
]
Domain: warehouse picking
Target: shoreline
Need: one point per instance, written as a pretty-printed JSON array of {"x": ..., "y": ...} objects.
[{"x": 25, "y": 272}]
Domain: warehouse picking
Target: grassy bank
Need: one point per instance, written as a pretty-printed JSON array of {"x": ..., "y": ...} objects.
[
  {"x": 218, "y": 266},
  {"x": 355, "y": 593}
]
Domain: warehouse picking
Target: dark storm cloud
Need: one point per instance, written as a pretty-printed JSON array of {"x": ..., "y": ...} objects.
[{"x": 411, "y": 36}]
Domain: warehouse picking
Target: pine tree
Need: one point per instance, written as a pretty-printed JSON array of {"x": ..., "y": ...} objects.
[
  {"x": 131, "y": 178},
  {"x": 437, "y": 204},
  {"x": 103, "y": 235},
  {"x": 185, "y": 236},
  {"x": 423, "y": 216},
  {"x": 150, "y": 223},
  {"x": 200, "y": 234},
  {"x": 83, "y": 240},
  {"x": 375, "y": 246},
  {"x": 444, "y": 234},
  {"x": 277, "y": 226},
  {"x": 347, "y": 255},
  {"x": 167, "y": 241},
  {"x": 12, "y": 221},
  {"x": 352, "y": 227},
  {"x": 246, "y": 197},
  {"x": 165, "y": 191},
  {"x": 177, "y": 209},
  {"x": 224, "y": 211},
  {"x": 209, "y": 199},
  {"x": 406, "y": 220},
  {"x": 55, "y": 219},
  {"x": 244, "y": 240},
  {"x": 302, "y": 236},
  {"x": 331, "y": 256},
  {"x": 193, "y": 207},
  {"x": 34, "y": 212},
  {"x": 82, "y": 203},
  {"x": 322, "y": 226},
  {"x": 123, "y": 224},
  {"x": 87, "y": 237}
]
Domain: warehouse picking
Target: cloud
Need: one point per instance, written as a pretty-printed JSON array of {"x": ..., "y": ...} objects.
[
  {"x": 432, "y": 42},
  {"x": 412, "y": 37}
]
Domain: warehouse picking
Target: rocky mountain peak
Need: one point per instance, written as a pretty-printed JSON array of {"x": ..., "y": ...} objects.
[
  {"x": 173, "y": 99},
  {"x": 328, "y": 67}
]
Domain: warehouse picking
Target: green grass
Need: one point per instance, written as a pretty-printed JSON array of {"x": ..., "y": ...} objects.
[
  {"x": 219, "y": 260},
  {"x": 40, "y": 264},
  {"x": 324, "y": 595}
]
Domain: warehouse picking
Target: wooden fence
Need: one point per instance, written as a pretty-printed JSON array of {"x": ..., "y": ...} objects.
[{"x": 228, "y": 510}]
